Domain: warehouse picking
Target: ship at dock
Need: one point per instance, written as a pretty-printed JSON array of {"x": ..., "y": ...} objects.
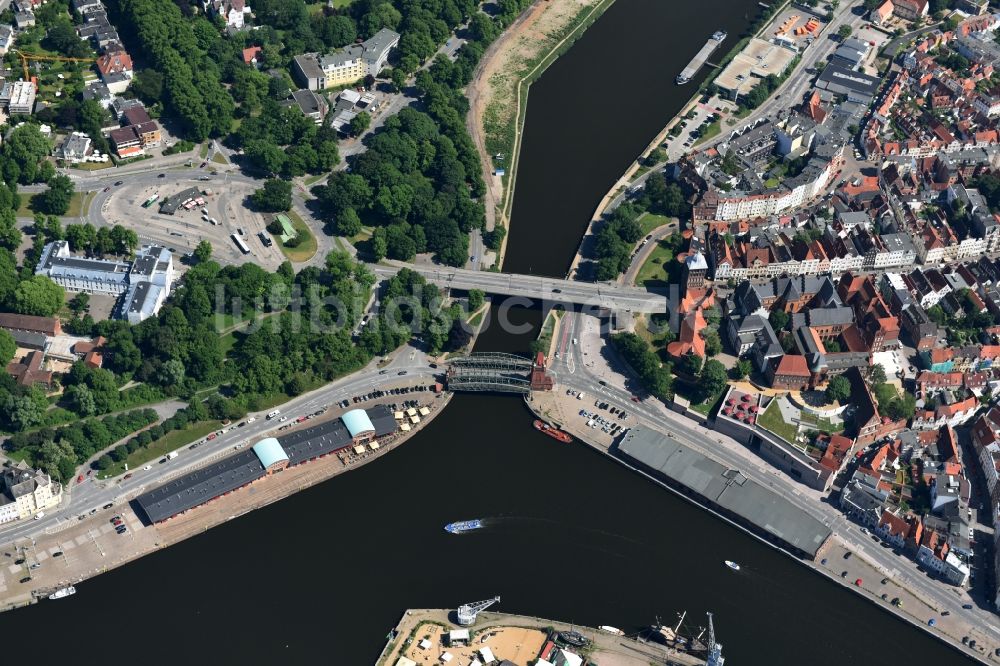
[
  {"x": 552, "y": 431},
  {"x": 63, "y": 592},
  {"x": 674, "y": 638},
  {"x": 700, "y": 58}
]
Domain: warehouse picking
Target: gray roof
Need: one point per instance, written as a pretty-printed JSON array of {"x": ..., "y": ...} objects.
[
  {"x": 765, "y": 511},
  {"x": 841, "y": 79},
  {"x": 316, "y": 441},
  {"x": 55, "y": 262},
  {"x": 195, "y": 488},
  {"x": 383, "y": 420},
  {"x": 171, "y": 204}
]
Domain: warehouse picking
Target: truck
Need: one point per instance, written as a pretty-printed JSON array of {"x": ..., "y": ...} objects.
[{"x": 171, "y": 455}]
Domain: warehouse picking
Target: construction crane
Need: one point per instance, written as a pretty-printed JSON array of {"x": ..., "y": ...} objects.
[
  {"x": 25, "y": 57},
  {"x": 467, "y": 612}
]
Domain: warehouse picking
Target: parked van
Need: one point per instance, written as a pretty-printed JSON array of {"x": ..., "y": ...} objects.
[{"x": 273, "y": 414}]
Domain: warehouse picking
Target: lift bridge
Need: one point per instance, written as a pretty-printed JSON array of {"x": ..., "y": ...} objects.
[{"x": 496, "y": 371}]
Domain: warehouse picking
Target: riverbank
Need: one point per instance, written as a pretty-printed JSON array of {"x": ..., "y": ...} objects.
[
  {"x": 836, "y": 559},
  {"x": 516, "y": 638},
  {"x": 81, "y": 549},
  {"x": 498, "y": 93}
]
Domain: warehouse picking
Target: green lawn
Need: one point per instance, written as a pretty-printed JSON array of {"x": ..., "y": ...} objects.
[
  {"x": 712, "y": 129},
  {"x": 203, "y": 151},
  {"x": 773, "y": 421},
  {"x": 219, "y": 158},
  {"x": 227, "y": 343},
  {"x": 78, "y": 205},
  {"x": 649, "y": 222},
  {"x": 306, "y": 248},
  {"x": 660, "y": 268},
  {"x": 93, "y": 166},
  {"x": 161, "y": 447}
]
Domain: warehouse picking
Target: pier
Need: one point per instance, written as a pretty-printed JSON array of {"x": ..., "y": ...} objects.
[{"x": 700, "y": 58}]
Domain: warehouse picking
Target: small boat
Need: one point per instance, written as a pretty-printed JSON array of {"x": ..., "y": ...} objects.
[
  {"x": 555, "y": 433},
  {"x": 574, "y": 638},
  {"x": 463, "y": 526},
  {"x": 732, "y": 565},
  {"x": 608, "y": 629},
  {"x": 63, "y": 592}
]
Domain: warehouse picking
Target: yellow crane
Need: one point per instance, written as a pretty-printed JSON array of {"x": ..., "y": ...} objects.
[{"x": 25, "y": 57}]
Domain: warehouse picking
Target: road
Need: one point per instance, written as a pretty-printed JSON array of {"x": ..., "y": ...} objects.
[
  {"x": 614, "y": 297},
  {"x": 93, "y": 494},
  {"x": 640, "y": 256},
  {"x": 582, "y": 366}
]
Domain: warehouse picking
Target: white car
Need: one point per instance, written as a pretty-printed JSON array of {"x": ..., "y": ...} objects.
[
  {"x": 282, "y": 419},
  {"x": 39, "y": 515},
  {"x": 251, "y": 419},
  {"x": 148, "y": 467}
]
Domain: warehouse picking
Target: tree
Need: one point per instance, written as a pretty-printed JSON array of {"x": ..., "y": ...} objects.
[
  {"x": 742, "y": 369},
  {"x": 398, "y": 78},
  {"x": 348, "y": 223},
  {"x": 203, "y": 252},
  {"x": 713, "y": 345},
  {"x": 712, "y": 381},
  {"x": 778, "y": 319},
  {"x": 476, "y": 298},
  {"x": 39, "y": 296},
  {"x": 56, "y": 199},
  {"x": 360, "y": 123},
  {"x": 838, "y": 390},
  {"x": 877, "y": 375},
  {"x": 275, "y": 196},
  {"x": 8, "y": 347},
  {"x": 844, "y": 31},
  {"x": 79, "y": 303},
  {"x": 690, "y": 364}
]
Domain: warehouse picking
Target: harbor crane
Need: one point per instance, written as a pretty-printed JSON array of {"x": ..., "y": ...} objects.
[
  {"x": 467, "y": 612},
  {"x": 25, "y": 57},
  {"x": 715, "y": 657}
]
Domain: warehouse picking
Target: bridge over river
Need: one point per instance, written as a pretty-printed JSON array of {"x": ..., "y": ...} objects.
[
  {"x": 498, "y": 372},
  {"x": 596, "y": 295}
]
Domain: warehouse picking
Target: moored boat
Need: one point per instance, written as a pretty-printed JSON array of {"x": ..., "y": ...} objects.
[
  {"x": 608, "y": 629},
  {"x": 63, "y": 592},
  {"x": 553, "y": 432}
]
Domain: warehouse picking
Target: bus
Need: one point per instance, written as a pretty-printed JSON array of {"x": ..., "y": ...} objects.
[
  {"x": 240, "y": 244},
  {"x": 150, "y": 201}
]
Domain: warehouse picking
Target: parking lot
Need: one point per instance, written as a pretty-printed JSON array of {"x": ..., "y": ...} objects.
[{"x": 182, "y": 231}]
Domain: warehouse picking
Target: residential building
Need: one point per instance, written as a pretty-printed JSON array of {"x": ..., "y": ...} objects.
[
  {"x": 20, "y": 96},
  {"x": 317, "y": 72},
  {"x": 310, "y": 104},
  {"x": 6, "y": 39},
  {"x": 115, "y": 68},
  {"x": 25, "y": 491},
  {"x": 74, "y": 149}
]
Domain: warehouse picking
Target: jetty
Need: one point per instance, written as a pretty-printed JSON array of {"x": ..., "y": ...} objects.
[{"x": 700, "y": 58}]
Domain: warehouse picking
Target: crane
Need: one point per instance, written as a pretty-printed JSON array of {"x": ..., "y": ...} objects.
[
  {"x": 467, "y": 612},
  {"x": 25, "y": 57}
]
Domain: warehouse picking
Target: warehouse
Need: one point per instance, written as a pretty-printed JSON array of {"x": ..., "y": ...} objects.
[
  {"x": 266, "y": 457},
  {"x": 857, "y": 87}
]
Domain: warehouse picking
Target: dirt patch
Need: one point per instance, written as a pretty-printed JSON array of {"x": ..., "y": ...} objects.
[{"x": 494, "y": 119}]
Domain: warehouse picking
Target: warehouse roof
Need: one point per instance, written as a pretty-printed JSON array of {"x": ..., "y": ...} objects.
[
  {"x": 190, "y": 490},
  {"x": 316, "y": 441},
  {"x": 383, "y": 420},
  {"x": 726, "y": 488},
  {"x": 269, "y": 452},
  {"x": 357, "y": 422}
]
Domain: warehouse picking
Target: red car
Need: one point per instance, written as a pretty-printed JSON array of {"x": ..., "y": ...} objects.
[
  {"x": 211, "y": 437},
  {"x": 79, "y": 479},
  {"x": 300, "y": 419},
  {"x": 635, "y": 399}
]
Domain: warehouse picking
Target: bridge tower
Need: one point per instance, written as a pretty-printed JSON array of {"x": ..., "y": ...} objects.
[{"x": 467, "y": 612}]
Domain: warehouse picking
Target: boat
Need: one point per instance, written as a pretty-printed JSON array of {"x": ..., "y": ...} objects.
[
  {"x": 732, "y": 565},
  {"x": 463, "y": 526},
  {"x": 574, "y": 638},
  {"x": 701, "y": 57},
  {"x": 63, "y": 592},
  {"x": 552, "y": 432},
  {"x": 608, "y": 629}
]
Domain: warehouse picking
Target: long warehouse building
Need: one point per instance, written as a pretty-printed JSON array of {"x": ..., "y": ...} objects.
[{"x": 267, "y": 456}]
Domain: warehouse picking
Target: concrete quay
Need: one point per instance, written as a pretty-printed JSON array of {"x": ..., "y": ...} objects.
[
  {"x": 76, "y": 550},
  {"x": 836, "y": 556},
  {"x": 516, "y": 638}
]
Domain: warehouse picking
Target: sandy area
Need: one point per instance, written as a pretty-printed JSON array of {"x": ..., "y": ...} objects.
[
  {"x": 493, "y": 91},
  {"x": 517, "y": 644}
]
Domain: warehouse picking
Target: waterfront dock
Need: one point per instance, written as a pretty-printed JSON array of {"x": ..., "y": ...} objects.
[
  {"x": 700, "y": 58},
  {"x": 420, "y": 637}
]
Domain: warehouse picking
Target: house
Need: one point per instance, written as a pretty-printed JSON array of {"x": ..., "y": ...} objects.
[
  {"x": 231, "y": 11},
  {"x": 74, "y": 149},
  {"x": 317, "y": 72},
  {"x": 881, "y": 14},
  {"x": 115, "y": 68},
  {"x": 310, "y": 104},
  {"x": 252, "y": 55},
  {"x": 790, "y": 372},
  {"x": 689, "y": 340},
  {"x": 25, "y": 491},
  {"x": 15, "y": 323},
  {"x": 6, "y": 39},
  {"x": 29, "y": 371},
  {"x": 909, "y": 10}
]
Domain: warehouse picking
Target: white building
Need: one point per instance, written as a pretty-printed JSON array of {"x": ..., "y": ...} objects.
[
  {"x": 20, "y": 96},
  {"x": 25, "y": 491}
]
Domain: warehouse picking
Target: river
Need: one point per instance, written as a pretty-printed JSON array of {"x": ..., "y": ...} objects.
[{"x": 321, "y": 576}]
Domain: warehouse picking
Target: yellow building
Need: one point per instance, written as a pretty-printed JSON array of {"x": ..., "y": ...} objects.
[{"x": 25, "y": 491}]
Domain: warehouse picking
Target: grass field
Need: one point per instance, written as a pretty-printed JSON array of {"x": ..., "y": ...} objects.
[
  {"x": 219, "y": 158},
  {"x": 659, "y": 267},
  {"x": 306, "y": 248},
  {"x": 773, "y": 421},
  {"x": 78, "y": 205},
  {"x": 649, "y": 222},
  {"x": 161, "y": 447}
]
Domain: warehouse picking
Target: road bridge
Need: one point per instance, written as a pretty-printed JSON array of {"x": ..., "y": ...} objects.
[{"x": 594, "y": 295}]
